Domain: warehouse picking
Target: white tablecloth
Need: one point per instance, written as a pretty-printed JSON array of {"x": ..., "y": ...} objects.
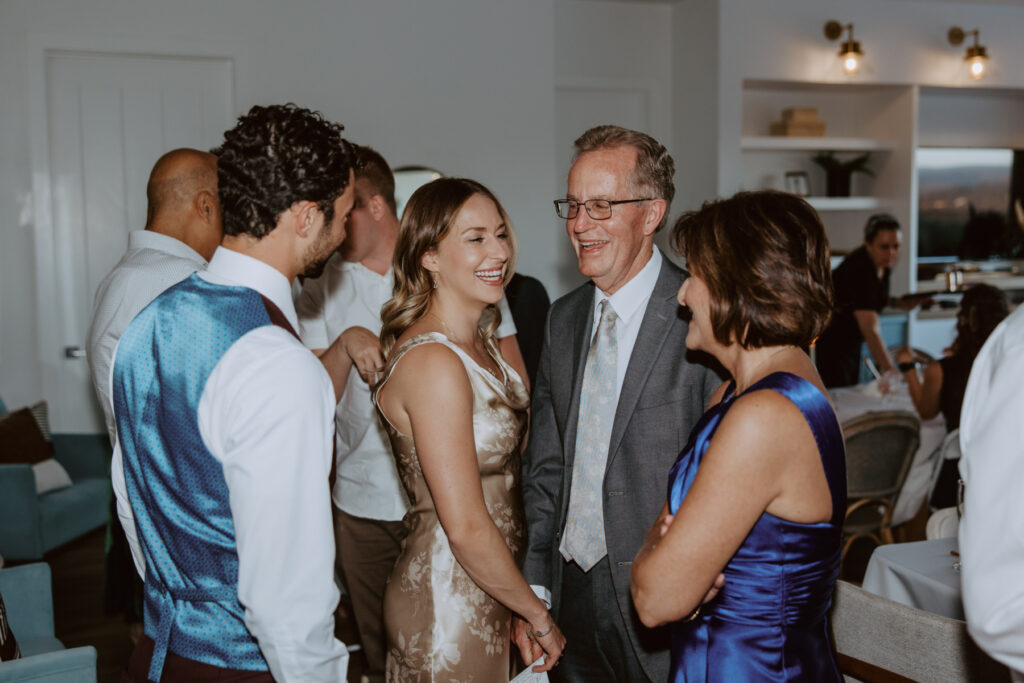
[
  {"x": 853, "y": 401},
  {"x": 918, "y": 574}
]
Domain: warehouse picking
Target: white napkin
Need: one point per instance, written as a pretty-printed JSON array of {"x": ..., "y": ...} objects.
[
  {"x": 870, "y": 389},
  {"x": 528, "y": 676}
]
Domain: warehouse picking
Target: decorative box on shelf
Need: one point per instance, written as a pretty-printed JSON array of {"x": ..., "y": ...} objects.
[{"x": 799, "y": 122}]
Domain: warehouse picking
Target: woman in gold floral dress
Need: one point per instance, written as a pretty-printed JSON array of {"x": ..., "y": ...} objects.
[{"x": 456, "y": 415}]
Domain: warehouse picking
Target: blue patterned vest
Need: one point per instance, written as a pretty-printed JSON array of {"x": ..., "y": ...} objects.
[{"x": 176, "y": 487}]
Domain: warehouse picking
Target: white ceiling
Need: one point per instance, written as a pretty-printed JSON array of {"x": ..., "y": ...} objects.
[{"x": 1019, "y": 3}]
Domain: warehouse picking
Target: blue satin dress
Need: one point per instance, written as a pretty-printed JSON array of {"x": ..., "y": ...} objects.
[{"x": 769, "y": 622}]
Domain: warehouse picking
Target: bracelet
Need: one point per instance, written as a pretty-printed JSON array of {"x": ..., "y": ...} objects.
[
  {"x": 907, "y": 366},
  {"x": 541, "y": 634},
  {"x": 691, "y": 616}
]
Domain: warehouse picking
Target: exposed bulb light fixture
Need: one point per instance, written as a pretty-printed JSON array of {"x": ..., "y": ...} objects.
[
  {"x": 849, "y": 50},
  {"x": 977, "y": 55}
]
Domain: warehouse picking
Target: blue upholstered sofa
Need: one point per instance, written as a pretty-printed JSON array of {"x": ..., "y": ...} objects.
[
  {"x": 29, "y": 602},
  {"x": 32, "y": 524}
]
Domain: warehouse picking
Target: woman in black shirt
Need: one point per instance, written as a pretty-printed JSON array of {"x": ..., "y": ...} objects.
[{"x": 945, "y": 380}]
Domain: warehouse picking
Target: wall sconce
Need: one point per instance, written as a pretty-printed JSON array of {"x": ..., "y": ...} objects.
[
  {"x": 849, "y": 49},
  {"x": 977, "y": 55}
]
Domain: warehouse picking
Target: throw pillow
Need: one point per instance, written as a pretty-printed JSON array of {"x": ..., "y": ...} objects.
[
  {"x": 25, "y": 438},
  {"x": 8, "y": 645},
  {"x": 50, "y": 475},
  {"x": 41, "y": 412},
  {"x": 21, "y": 440}
]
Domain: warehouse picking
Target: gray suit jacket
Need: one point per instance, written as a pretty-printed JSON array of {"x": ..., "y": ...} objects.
[{"x": 662, "y": 397}]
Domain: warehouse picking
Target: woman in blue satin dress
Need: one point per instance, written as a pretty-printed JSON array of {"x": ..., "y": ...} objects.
[{"x": 745, "y": 555}]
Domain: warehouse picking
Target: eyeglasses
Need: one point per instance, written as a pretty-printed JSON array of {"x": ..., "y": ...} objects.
[{"x": 598, "y": 209}]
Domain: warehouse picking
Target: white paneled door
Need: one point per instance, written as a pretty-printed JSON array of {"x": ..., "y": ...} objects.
[{"x": 108, "y": 118}]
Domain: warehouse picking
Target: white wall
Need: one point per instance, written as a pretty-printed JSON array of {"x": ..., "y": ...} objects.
[
  {"x": 904, "y": 42},
  {"x": 696, "y": 90},
  {"x": 470, "y": 86},
  {"x": 463, "y": 85},
  {"x": 613, "y": 64}
]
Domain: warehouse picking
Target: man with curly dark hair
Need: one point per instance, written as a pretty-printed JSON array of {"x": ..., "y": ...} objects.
[{"x": 225, "y": 426}]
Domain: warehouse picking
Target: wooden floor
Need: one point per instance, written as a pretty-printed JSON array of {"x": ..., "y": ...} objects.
[
  {"x": 77, "y": 570},
  {"x": 78, "y": 602}
]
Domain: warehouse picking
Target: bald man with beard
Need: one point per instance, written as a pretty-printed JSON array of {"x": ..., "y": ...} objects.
[{"x": 183, "y": 229}]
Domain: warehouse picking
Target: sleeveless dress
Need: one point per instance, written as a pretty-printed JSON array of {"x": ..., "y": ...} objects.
[
  {"x": 440, "y": 625},
  {"x": 769, "y": 622}
]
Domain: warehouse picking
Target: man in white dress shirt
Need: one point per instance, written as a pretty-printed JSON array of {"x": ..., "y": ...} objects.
[
  {"x": 343, "y": 306},
  {"x": 182, "y": 231},
  {"x": 992, "y": 468},
  {"x": 225, "y": 430},
  {"x": 339, "y": 318}
]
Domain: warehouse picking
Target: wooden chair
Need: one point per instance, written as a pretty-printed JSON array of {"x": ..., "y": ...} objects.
[
  {"x": 878, "y": 640},
  {"x": 880, "y": 448}
]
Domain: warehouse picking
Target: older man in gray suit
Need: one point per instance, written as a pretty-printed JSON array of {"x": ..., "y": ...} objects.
[{"x": 615, "y": 401}]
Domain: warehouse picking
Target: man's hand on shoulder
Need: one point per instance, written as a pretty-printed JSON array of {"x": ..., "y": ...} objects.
[
  {"x": 363, "y": 347},
  {"x": 355, "y": 346}
]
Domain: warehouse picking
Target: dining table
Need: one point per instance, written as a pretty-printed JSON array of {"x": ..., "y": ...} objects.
[
  {"x": 923, "y": 574},
  {"x": 857, "y": 400}
]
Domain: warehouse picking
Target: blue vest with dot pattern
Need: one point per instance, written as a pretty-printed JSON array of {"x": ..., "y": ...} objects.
[{"x": 176, "y": 486}]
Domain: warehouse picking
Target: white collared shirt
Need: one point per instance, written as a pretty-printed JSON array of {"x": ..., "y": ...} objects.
[
  {"x": 348, "y": 294},
  {"x": 152, "y": 263},
  {"x": 265, "y": 414},
  {"x": 992, "y": 467},
  {"x": 629, "y": 303}
]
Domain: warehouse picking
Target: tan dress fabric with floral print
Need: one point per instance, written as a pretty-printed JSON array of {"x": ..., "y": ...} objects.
[{"x": 440, "y": 625}]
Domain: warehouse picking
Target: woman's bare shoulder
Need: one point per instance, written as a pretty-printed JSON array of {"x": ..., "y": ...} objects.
[{"x": 428, "y": 361}]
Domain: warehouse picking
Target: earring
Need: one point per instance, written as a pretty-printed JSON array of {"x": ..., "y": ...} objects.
[{"x": 434, "y": 278}]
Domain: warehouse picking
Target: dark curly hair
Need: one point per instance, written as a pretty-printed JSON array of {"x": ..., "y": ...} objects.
[
  {"x": 764, "y": 257},
  {"x": 276, "y": 156},
  {"x": 982, "y": 308}
]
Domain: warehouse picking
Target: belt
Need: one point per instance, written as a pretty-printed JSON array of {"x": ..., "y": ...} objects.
[{"x": 168, "y": 596}]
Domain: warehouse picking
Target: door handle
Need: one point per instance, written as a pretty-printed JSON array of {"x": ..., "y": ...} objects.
[{"x": 74, "y": 352}]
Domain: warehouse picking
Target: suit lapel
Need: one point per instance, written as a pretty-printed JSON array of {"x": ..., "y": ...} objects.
[{"x": 662, "y": 310}]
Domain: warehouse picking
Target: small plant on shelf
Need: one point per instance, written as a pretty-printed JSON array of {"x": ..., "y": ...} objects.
[{"x": 838, "y": 173}]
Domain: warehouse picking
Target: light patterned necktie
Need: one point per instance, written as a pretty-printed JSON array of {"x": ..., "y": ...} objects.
[{"x": 583, "y": 540}]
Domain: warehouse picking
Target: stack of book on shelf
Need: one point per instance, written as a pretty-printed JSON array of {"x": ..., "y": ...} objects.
[{"x": 799, "y": 122}]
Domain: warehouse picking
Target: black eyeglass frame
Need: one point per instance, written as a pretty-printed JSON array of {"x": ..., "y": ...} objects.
[{"x": 586, "y": 205}]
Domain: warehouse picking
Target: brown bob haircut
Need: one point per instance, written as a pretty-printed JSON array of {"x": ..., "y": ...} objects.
[{"x": 765, "y": 259}]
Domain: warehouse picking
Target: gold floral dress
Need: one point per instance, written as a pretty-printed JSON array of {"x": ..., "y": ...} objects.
[{"x": 440, "y": 625}]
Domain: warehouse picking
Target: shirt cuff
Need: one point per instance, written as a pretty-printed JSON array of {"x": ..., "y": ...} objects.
[{"x": 544, "y": 594}]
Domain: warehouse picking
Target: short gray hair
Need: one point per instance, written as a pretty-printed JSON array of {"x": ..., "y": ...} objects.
[{"x": 654, "y": 165}]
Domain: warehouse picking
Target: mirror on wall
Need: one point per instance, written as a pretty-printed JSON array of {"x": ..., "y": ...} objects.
[
  {"x": 408, "y": 179},
  {"x": 966, "y": 206}
]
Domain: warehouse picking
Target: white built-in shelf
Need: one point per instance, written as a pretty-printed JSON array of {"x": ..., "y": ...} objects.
[
  {"x": 1000, "y": 280},
  {"x": 845, "y": 203},
  {"x": 778, "y": 143}
]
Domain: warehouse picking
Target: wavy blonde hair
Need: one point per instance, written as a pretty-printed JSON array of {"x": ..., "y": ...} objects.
[{"x": 427, "y": 218}]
